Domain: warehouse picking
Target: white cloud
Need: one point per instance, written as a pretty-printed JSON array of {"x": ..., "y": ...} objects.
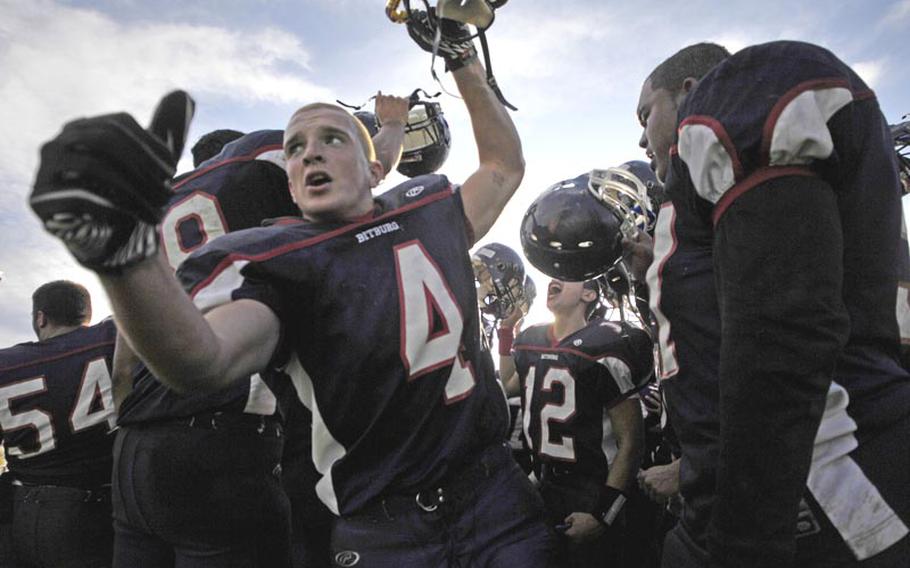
[
  {"x": 59, "y": 62},
  {"x": 869, "y": 71}
]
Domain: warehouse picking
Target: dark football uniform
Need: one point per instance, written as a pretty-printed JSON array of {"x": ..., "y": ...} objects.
[
  {"x": 903, "y": 300},
  {"x": 56, "y": 419},
  {"x": 783, "y": 382},
  {"x": 198, "y": 496},
  {"x": 380, "y": 323},
  {"x": 567, "y": 387},
  {"x": 237, "y": 189}
]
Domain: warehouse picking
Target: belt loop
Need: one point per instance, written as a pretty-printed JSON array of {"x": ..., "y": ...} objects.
[{"x": 192, "y": 421}]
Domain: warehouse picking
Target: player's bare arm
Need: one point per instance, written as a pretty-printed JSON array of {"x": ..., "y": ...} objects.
[
  {"x": 486, "y": 192},
  {"x": 628, "y": 428},
  {"x": 125, "y": 360},
  {"x": 508, "y": 329},
  {"x": 629, "y": 432},
  {"x": 184, "y": 349},
  {"x": 392, "y": 115}
]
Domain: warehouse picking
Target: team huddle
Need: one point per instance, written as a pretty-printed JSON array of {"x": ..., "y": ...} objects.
[{"x": 301, "y": 373}]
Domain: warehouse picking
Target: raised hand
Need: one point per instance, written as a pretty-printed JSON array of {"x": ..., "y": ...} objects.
[
  {"x": 455, "y": 45},
  {"x": 102, "y": 183}
]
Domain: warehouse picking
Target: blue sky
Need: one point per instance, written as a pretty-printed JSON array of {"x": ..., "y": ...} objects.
[{"x": 573, "y": 67}]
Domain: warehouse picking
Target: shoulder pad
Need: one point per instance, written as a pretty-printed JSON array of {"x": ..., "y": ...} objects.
[
  {"x": 413, "y": 190},
  {"x": 766, "y": 105}
]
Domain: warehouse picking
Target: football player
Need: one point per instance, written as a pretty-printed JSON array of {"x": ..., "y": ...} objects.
[
  {"x": 775, "y": 265},
  {"x": 56, "y": 422},
  {"x": 210, "y": 145},
  {"x": 243, "y": 185},
  {"x": 368, "y": 304},
  {"x": 578, "y": 379}
]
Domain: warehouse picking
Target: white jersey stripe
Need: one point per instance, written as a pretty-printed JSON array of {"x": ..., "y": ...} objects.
[
  {"x": 620, "y": 372},
  {"x": 664, "y": 247},
  {"x": 326, "y": 449},
  {"x": 219, "y": 290},
  {"x": 801, "y": 134},
  {"x": 849, "y": 499}
]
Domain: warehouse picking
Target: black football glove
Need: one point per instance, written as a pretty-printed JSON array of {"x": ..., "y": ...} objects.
[
  {"x": 103, "y": 181},
  {"x": 455, "y": 45}
]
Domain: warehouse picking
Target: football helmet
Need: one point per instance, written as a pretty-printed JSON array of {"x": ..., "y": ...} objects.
[
  {"x": 500, "y": 276},
  {"x": 628, "y": 188},
  {"x": 426, "y": 140},
  {"x": 572, "y": 232},
  {"x": 528, "y": 294},
  {"x": 477, "y": 13},
  {"x": 653, "y": 188},
  {"x": 369, "y": 121}
]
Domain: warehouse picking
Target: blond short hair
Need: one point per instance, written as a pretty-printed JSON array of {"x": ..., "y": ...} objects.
[{"x": 366, "y": 141}]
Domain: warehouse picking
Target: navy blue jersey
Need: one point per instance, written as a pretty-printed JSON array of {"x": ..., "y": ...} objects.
[
  {"x": 568, "y": 385},
  {"x": 773, "y": 283},
  {"x": 379, "y": 318},
  {"x": 57, "y": 410},
  {"x": 239, "y": 188}
]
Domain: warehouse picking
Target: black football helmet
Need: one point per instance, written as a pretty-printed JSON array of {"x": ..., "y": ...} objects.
[
  {"x": 500, "y": 275},
  {"x": 573, "y": 231},
  {"x": 369, "y": 120},
  {"x": 529, "y": 293},
  {"x": 426, "y": 140}
]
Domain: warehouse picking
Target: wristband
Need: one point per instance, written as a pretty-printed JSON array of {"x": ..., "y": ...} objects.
[
  {"x": 610, "y": 505},
  {"x": 506, "y": 336}
]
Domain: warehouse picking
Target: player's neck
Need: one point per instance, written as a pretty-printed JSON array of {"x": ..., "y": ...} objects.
[
  {"x": 52, "y": 331},
  {"x": 563, "y": 326}
]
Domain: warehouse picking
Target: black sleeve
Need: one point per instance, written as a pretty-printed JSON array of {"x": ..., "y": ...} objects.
[{"x": 779, "y": 272}]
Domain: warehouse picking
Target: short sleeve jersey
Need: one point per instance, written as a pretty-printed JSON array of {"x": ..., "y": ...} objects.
[
  {"x": 568, "y": 385},
  {"x": 56, "y": 408},
  {"x": 379, "y": 318},
  {"x": 238, "y": 189},
  {"x": 243, "y": 185},
  {"x": 770, "y": 111}
]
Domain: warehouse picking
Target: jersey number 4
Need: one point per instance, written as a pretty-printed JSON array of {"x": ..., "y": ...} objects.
[
  {"x": 431, "y": 321},
  {"x": 94, "y": 405}
]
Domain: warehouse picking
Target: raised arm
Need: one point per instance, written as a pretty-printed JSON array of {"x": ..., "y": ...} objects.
[
  {"x": 486, "y": 192},
  {"x": 508, "y": 329},
  {"x": 392, "y": 115}
]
